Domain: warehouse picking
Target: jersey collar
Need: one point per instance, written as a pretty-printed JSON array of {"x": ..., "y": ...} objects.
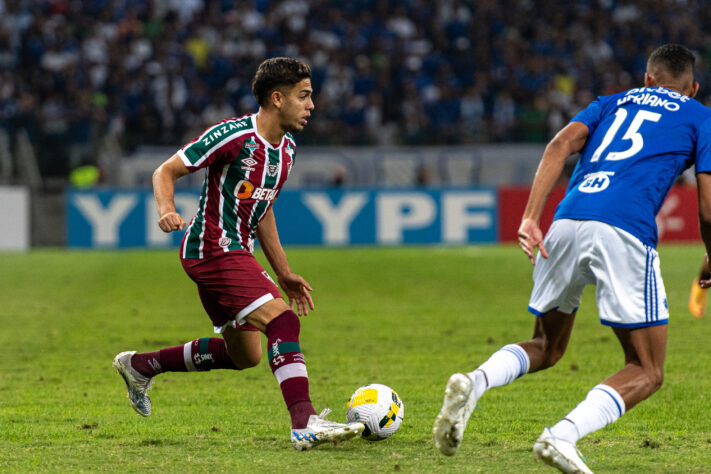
[{"x": 266, "y": 143}]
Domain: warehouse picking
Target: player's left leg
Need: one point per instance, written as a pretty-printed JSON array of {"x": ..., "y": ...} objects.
[
  {"x": 282, "y": 327},
  {"x": 642, "y": 375}
]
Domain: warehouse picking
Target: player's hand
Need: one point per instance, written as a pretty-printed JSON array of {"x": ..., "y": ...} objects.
[
  {"x": 297, "y": 290},
  {"x": 705, "y": 274},
  {"x": 530, "y": 238},
  {"x": 171, "y": 221}
]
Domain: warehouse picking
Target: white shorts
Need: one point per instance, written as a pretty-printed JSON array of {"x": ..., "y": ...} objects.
[{"x": 629, "y": 288}]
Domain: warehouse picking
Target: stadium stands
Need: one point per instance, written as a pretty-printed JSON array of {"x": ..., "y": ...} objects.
[{"x": 385, "y": 72}]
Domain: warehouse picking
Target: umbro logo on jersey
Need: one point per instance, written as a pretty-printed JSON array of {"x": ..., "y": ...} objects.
[
  {"x": 248, "y": 163},
  {"x": 246, "y": 190}
]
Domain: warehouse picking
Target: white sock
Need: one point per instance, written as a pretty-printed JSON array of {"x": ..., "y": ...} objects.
[
  {"x": 602, "y": 406},
  {"x": 503, "y": 367}
]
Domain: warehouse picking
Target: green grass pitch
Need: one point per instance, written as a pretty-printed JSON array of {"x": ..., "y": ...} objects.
[{"x": 405, "y": 317}]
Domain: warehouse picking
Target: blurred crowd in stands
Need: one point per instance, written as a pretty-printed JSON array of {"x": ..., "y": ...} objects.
[{"x": 384, "y": 71}]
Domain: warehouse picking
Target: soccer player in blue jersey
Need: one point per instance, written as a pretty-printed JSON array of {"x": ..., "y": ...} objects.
[{"x": 632, "y": 146}]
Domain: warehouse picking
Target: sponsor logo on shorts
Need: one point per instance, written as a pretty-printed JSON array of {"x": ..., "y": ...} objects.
[
  {"x": 246, "y": 190},
  {"x": 224, "y": 242},
  {"x": 595, "y": 182}
]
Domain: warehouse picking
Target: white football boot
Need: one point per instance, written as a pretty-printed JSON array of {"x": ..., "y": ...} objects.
[
  {"x": 559, "y": 453},
  {"x": 459, "y": 402},
  {"x": 136, "y": 383},
  {"x": 320, "y": 430}
]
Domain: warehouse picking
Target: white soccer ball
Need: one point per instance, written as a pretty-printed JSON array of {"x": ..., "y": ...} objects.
[{"x": 378, "y": 407}]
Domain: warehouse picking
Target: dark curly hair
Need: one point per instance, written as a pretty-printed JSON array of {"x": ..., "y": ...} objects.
[{"x": 277, "y": 72}]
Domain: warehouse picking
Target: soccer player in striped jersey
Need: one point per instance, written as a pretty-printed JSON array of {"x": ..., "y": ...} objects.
[
  {"x": 632, "y": 146},
  {"x": 246, "y": 162}
]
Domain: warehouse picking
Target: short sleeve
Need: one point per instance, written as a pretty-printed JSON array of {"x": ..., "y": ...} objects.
[
  {"x": 214, "y": 145},
  {"x": 702, "y": 162},
  {"x": 590, "y": 115}
]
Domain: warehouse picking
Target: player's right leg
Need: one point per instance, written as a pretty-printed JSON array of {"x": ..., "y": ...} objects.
[
  {"x": 200, "y": 355},
  {"x": 554, "y": 300},
  {"x": 550, "y": 338},
  {"x": 207, "y": 353}
]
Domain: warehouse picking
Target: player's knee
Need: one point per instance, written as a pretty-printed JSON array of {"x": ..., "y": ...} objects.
[
  {"x": 655, "y": 378},
  {"x": 550, "y": 353},
  {"x": 551, "y": 357},
  {"x": 249, "y": 359}
]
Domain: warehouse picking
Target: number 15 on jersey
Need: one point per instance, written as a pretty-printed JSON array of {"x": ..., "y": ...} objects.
[{"x": 632, "y": 133}]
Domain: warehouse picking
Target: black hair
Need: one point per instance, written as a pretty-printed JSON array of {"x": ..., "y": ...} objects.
[
  {"x": 277, "y": 72},
  {"x": 673, "y": 58}
]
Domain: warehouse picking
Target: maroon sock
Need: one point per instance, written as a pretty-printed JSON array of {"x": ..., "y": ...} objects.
[
  {"x": 202, "y": 354},
  {"x": 289, "y": 367}
]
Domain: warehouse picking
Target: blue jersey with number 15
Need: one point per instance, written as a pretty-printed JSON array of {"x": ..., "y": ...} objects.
[{"x": 639, "y": 142}]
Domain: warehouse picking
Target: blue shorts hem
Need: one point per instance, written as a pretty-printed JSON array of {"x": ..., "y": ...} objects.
[
  {"x": 634, "y": 325},
  {"x": 539, "y": 314}
]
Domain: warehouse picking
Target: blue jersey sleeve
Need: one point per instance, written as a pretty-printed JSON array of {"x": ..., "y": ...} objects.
[
  {"x": 703, "y": 148},
  {"x": 590, "y": 115}
]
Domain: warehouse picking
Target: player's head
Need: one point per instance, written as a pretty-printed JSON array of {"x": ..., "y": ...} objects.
[
  {"x": 284, "y": 85},
  {"x": 672, "y": 66}
]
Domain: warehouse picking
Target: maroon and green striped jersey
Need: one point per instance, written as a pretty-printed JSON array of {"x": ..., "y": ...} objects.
[{"x": 243, "y": 176}]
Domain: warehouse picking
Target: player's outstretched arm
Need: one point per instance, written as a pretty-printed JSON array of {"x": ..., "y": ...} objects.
[
  {"x": 569, "y": 140},
  {"x": 296, "y": 288},
  {"x": 164, "y": 178}
]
